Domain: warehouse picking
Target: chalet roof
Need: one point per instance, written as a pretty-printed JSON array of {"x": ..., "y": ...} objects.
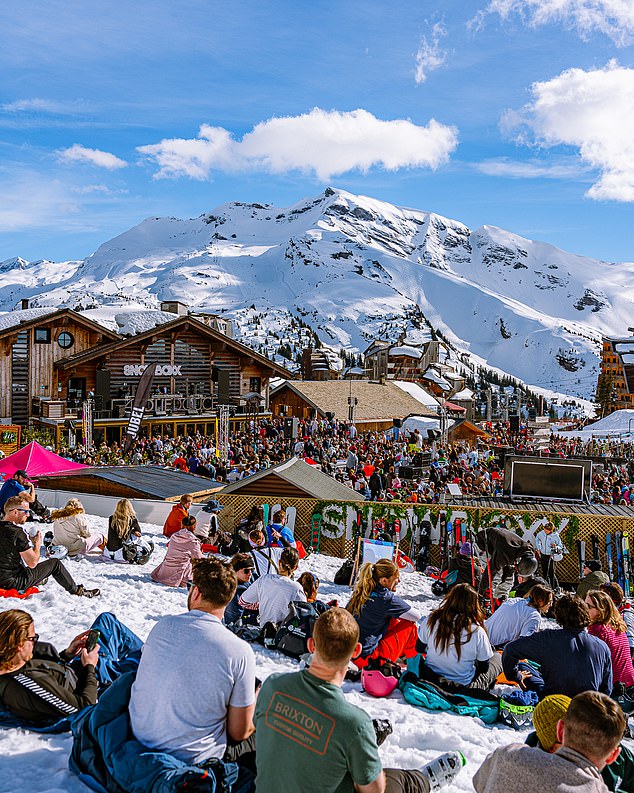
[
  {"x": 534, "y": 505},
  {"x": 26, "y": 318},
  {"x": 185, "y": 321},
  {"x": 375, "y": 401},
  {"x": 303, "y": 476},
  {"x": 151, "y": 481}
]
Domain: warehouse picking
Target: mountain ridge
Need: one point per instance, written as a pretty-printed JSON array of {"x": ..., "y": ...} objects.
[{"x": 353, "y": 268}]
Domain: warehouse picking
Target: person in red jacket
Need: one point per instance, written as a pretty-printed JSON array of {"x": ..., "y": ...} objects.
[{"x": 179, "y": 511}]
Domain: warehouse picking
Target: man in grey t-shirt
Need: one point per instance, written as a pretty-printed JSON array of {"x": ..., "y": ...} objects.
[{"x": 195, "y": 688}]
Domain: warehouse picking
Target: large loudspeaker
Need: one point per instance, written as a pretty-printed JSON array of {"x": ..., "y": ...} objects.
[
  {"x": 223, "y": 386},
  {"x": 514, "y": 424},
  {"x": 291, "y": 428},
  {"x": 434, "y": 435},
  {"x": 102, "y": 386},
  {"x": 397, "y": 422},
  {"x": 410, "y": 472}
]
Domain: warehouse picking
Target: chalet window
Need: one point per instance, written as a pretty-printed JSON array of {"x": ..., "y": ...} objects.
[
  {"x": 42, "y": 335},
  {"x": 65, "y": 340},
  {"x": 255, "y": 384}
]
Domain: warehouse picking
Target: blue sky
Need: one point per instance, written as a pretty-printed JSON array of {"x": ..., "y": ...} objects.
[{"x": 512, "y": 113}]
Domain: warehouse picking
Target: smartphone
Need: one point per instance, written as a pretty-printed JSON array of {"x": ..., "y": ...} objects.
[{"x": 91, "y": 641}]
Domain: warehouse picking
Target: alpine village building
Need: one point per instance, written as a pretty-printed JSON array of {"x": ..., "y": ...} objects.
[{"x": 53, "y": 360}]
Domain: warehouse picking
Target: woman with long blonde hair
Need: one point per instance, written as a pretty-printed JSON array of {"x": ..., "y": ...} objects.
[
  {"x": 122, "y": 524},
  {"x": 387, "y": 624},
  {"x": 607, "y": 624},
  {"x": 458, "y": 648}
]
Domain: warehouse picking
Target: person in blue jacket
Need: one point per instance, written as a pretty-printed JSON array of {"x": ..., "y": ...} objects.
[
  {"x": 278, "y": 532},
  {"x": 566, "y": 661}
]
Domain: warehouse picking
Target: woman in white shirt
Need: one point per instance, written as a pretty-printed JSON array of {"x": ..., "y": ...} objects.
[
  {"x": 459, "y": 652},
  {"x": 272, "y": 593}
]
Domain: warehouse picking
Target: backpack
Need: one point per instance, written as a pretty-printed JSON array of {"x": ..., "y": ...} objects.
[
  {"x": 344, "y": 573},
  {"x": 293, "y": 633},
  {"x": 422, "y": 694},
  {"x": 516, "y": 708}
]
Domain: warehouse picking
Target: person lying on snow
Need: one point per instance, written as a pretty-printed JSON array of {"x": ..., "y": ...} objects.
[{"x": 40, "y": 685}]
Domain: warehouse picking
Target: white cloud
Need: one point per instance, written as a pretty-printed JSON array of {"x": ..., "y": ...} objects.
[
  {"x": 430, "y": 56},
  {"x": 592, "y": 111},
  {"x": 326, "y": 143},
  {"x": 614, "y": 18},
  {"x": 102, "y": 159},
  {"x": 531, "y": 169},
  {"x": 40, "y": 106}
]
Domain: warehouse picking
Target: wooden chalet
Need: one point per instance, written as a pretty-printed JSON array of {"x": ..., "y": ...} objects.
[
  {"x": 376, "y": 405},
  {"x": 32, "y": 342},
  {"x": 293, "y": 479},
  {"x": 56, "y": 360}
]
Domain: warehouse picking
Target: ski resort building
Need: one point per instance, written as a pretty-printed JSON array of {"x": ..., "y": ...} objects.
[
  {"x": 56, "y": 359},
  {"x": 617, "y": 372}
]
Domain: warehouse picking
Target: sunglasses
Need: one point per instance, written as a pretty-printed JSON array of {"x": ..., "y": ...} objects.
[
  {"x": 190, "y": 585},
  {"x": 20, "y": 509},
  {"x": 33, "y": 638}
]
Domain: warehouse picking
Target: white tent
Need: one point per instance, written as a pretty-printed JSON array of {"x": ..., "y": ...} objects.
[{"x": 619, "y": 424}]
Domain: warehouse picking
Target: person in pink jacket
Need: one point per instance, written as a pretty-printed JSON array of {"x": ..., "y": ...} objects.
[
  {"x": 184, "y": 545},
  {"x": 607, "y": 625}
]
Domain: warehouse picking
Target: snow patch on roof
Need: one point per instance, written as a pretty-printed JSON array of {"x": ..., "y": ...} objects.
[
  {"x": 410, "y": 352},
  {"x": 418, "y": 392}
]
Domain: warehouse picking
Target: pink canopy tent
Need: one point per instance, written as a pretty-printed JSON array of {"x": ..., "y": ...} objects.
[{"x": 36, "y": 461}]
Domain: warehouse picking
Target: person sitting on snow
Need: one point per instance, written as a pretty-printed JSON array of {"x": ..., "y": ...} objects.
[
  {"x": 387, "y": 624},
  {"x": 589, "y": 735},
  {"x": 458, "y": 650},
  {"x": 519, "y": 616},
  {"x": 566, "y": 661},
  {"x": 617, "y": 776},
  {"x": 40, "y": 685},
  {"x": 327, "y": 744}
]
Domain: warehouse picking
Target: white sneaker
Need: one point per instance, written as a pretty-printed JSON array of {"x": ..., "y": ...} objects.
[{"x": 443, "y": 770}]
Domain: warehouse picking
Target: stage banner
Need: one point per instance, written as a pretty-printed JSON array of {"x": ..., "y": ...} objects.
[{"x": 138, "y": 407}]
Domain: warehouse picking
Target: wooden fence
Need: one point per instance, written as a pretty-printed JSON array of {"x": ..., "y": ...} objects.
[{"x": 339, "y": 520}]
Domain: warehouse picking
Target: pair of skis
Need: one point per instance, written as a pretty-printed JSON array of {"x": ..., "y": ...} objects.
[{"x": 617, "y": 551}]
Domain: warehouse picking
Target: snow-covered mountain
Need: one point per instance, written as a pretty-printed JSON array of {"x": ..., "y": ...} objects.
[{"x": 351, "y": 268}]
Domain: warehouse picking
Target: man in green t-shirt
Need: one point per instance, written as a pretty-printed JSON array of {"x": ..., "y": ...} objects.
[{"x": 309, "y": 738}]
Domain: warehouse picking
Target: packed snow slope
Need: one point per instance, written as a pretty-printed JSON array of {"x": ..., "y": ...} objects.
[
  {"x": 353, "y": 269},
  {"x": 39, "y": 763}
]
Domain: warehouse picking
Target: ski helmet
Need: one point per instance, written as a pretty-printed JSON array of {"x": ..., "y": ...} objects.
[
  {"x": 439, "y": 587},
  {"x": 137, "y": 550},
  {"x": 57, "y": 551},
  {"x": 526, "y": 564},
  {"x": 378, "y": 682}
]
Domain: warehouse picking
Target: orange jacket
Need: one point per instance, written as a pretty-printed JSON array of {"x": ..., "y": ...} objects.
[{"x": 174, "y": 520}]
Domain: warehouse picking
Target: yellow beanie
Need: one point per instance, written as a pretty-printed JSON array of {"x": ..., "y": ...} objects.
[{"x": 546, "y": 715}]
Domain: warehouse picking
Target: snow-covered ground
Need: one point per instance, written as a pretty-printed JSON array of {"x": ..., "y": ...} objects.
[{"x": 37, "y": 763}]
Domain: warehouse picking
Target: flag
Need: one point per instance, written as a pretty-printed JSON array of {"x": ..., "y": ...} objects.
[{"x": 138, "y": 407}]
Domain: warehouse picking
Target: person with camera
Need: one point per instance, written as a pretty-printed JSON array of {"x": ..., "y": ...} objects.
[{"x": 40, "y": 685}]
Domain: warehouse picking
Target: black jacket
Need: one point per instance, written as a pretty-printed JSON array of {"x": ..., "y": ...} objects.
[
  {"x": 72, "y": 685},
  {"x": 503, "y": 547}
]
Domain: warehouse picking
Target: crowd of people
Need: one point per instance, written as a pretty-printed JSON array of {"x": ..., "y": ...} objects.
[
  {"x": 136, "y": 714},
  {"x": 370, "y": 462}
]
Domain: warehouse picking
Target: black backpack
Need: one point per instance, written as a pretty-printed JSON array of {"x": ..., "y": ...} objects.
[
  {"x": 344, "y": 573},
  {"x": 292, "y": 635}
]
